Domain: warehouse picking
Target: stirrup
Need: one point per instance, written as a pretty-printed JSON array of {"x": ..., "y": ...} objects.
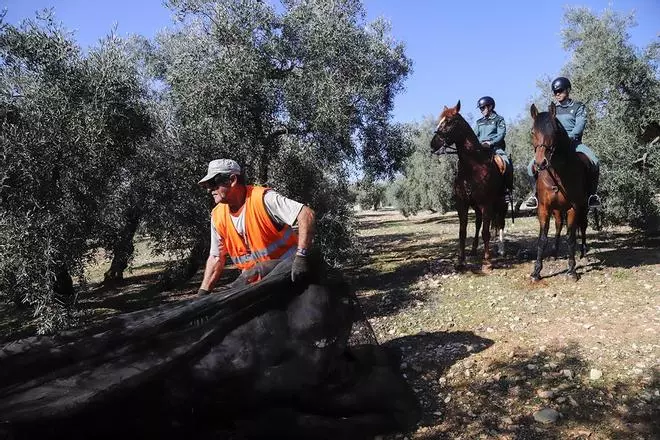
[
  {"x": 532, "y": 202},
  {"x": 593, "y": 201}
]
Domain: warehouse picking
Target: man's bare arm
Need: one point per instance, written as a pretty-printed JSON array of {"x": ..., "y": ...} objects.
[
  {"x": 306, "y": 227},
  {"x": 212, "y": 273}
]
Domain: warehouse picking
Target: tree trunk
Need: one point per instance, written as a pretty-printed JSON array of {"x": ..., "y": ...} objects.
[
  {"x": 187, "y": 268},
  {"x": 63, "y": 282},
  {"x": 123, "y": 249},
  {"x": 196, "y": 258}
]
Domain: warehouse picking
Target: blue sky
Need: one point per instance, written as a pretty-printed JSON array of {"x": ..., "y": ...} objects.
[{"x": 460, "y": 49}]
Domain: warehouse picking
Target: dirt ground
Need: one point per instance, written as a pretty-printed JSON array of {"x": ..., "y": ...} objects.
[{"x": 487, "y": 352}]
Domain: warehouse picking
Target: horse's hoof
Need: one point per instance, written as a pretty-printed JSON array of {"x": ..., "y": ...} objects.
[
  {"x": 535, "y": 278},
  {"x": 487, "y": 268},
  {"x": 573, "y": 275},
  {"x": 460, "y": 267}
]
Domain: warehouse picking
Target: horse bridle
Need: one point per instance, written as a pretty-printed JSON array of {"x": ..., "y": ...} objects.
[
  {"x": 546, "y": 160},
  {"x": 449, "y": 148},
  {"x": 545, "y": 165}
]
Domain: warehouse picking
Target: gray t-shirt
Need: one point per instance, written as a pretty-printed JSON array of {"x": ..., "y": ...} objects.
[{"x": 282, "y": 210}]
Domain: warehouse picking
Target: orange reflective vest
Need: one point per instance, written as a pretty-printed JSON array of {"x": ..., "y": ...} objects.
[{"x": 263, "y": 241}]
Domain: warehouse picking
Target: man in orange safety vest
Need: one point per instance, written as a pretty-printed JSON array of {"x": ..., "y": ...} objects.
[{"x": 253, "y": 224}]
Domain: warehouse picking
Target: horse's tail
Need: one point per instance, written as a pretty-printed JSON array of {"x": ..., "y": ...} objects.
[
  {"x": 513, "y": 212},
  {"x": 499, "y": 211}
]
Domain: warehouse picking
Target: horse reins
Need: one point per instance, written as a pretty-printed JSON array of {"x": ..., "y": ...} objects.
[{"x": 552, "y": 176}]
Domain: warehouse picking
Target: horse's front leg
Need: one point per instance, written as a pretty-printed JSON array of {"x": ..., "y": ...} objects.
[
  {"x": 477, "y": 226},
  {"x": 559, "y": 223},
  {"x": 571, "y": 223},
  {"x": 544, "y": 225},
  {"x": 462, "y": 233},
  {"x": 485, "y": 235}
]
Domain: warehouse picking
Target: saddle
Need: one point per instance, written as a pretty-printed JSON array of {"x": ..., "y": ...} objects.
[
  {"x": 501, "y": 165},
  {"x": 499, "y": 162},
  {"x": 588, "y": 165}
]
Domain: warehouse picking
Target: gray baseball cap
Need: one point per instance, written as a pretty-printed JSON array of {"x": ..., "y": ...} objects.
[{"x": 221, "y": 166}]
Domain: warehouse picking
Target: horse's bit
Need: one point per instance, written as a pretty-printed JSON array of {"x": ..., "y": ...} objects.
[
  {"x": 546, "y": 162},
  {"x": 447, "y": 148}
]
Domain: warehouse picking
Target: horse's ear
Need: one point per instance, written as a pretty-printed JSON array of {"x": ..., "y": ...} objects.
[
  {"x": 552, "y": 109},
  {"x": 458, "y": 106},
  {"x": 533, "y": 111}
]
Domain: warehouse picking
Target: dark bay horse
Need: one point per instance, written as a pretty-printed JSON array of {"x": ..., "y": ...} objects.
[
  {"x": 478, "y": 184},
  {"x": 561, "y": 186}
]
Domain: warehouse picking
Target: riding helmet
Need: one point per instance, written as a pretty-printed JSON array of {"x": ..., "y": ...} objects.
[
  {"x": 560, "y": 83},
  {"x": 486, "y": 100}
]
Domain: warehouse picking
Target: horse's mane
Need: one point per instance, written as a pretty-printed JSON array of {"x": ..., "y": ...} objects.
[
  {"x": 452, "y": 113},
  {"x": 472, "y": 136}
]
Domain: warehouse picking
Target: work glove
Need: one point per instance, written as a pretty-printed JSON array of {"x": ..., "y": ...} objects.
[{"x": 300, "y": 269}]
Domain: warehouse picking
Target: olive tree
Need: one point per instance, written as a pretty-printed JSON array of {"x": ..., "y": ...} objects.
[
  {"x": 620, "y": 84},
  {"x": 297, "y": 93},
  {"x": 427, "y": 179},
  {"x": 68, "y": 121}
]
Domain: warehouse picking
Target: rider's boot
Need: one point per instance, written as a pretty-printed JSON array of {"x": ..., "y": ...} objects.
[
  {"x": 593, "y": 201},
  {"x": 532, "y": 202}
]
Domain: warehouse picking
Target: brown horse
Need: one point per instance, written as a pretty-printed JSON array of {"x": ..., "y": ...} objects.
[
  {"x": 479, "y": 184},
  {"x": 561, "y": 186}
]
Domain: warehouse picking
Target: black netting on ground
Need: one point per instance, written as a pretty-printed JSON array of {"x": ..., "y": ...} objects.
[
  {"x": 274, "y": 343},
  {"x": 361, "y": 330}
]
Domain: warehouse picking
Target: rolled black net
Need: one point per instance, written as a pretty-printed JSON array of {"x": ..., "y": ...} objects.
[{"x": 271, "y": 358}]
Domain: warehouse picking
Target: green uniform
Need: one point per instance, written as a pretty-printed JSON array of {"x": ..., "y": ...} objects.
[
  {"x": 573, "y": 117},
  {"x": 491, "y": 129}
]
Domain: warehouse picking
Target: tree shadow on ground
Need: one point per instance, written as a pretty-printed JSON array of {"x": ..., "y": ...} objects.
[
  {"x": 382, "y": 224},
  {"x": 388, "y": 277},
  {"x": 393, "y": 290},
  {"x": 15, "y": 322},
  {"x": 446, "y": 218},
  {"x": 626, "y": 250},
  {"x": 405, "y": 244},
  {"x": 605, "y": 249},
  {"x": 426, "y": 356},
  {"x": 142, "y": 291},
  {"x": 499, "y": 399}
]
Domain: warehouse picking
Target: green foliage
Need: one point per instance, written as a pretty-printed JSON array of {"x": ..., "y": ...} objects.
[
  {"x": 298, "y": 174},
  {"x": 99, "y": 142},
  {"x": 427, "y": 182},
  {"x": 371, "y": 194},
  {"x": 519, "y": 148},
  {"x": 68, "y": 121},
  {"x": 308, "y": 82},
  {"x": 621, "y": 86}
]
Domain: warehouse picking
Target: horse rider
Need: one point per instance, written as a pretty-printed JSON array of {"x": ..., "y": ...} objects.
[
  {"x": 253, "y": 224},
  {"x": 490, "y": 130},
  {"x": 573, "y": 117}
]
